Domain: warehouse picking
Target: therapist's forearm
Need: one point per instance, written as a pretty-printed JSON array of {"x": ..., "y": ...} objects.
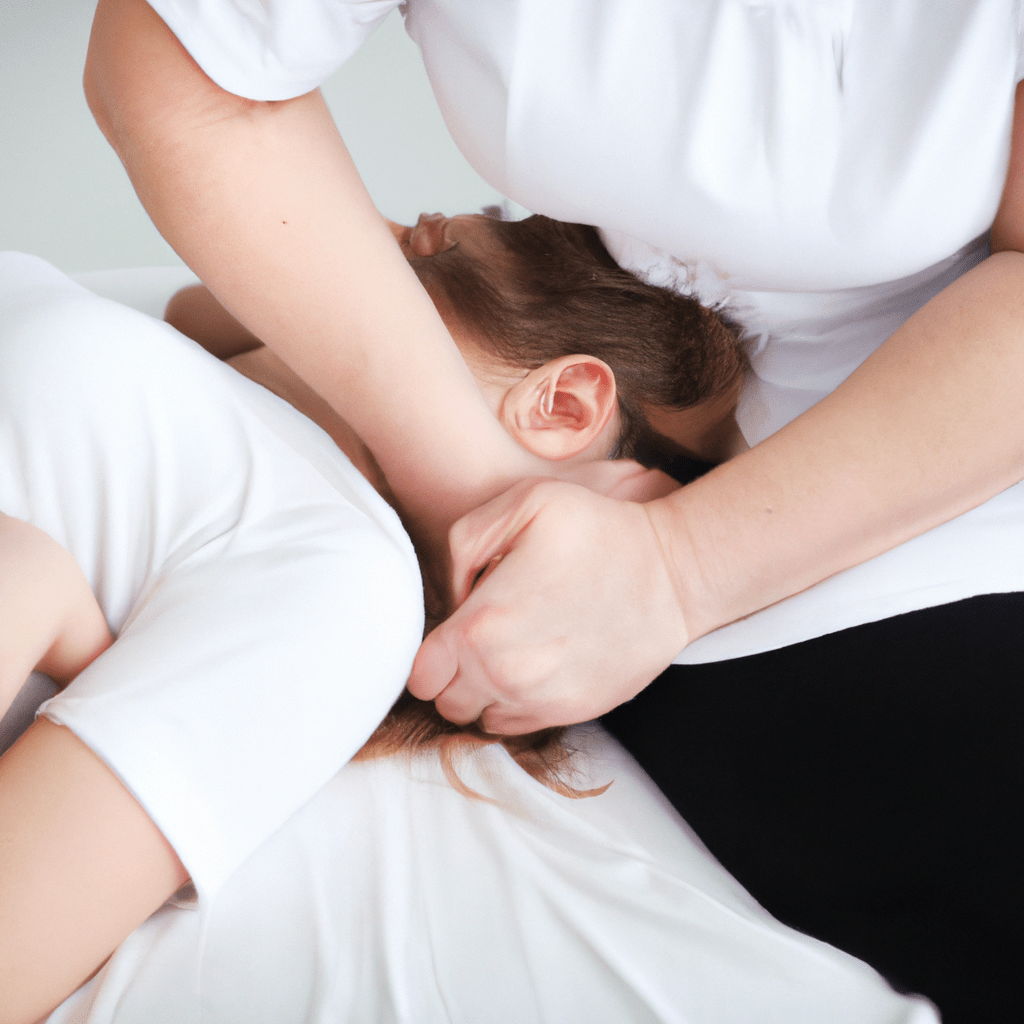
[
  {"x": 931, "y": 425},
  {"x": 263, "y": 202}
]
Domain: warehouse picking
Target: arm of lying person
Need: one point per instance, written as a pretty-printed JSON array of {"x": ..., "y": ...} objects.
[
  {"x": 593, "y": 598},
  {"x": 81, "y": 866},
  {"x": 49, "y": 619},
  {"x": 199, "y": 316},
  {"x": 262, "y": 200}
]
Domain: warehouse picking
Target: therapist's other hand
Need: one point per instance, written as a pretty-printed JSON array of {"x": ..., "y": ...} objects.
[{"x": 567, "y": 606}]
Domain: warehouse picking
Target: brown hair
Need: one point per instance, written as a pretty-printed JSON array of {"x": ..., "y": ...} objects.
[
  {"x": 555, "y": 291},
  {"x": 413, "y": 726}
]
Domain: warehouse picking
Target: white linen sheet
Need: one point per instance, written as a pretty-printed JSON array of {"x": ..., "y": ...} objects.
[{"x": 393, "y": 898}]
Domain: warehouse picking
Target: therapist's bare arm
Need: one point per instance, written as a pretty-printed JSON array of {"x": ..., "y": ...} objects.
[
  {"x": 49, "y": 619},
  {"x": 263, "y": 202},
  {"x": 81, "y": 866},
  {"x": 928, "y": 427}
]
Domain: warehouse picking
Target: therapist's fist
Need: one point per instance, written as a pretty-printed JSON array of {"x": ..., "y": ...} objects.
[{"x": 567, "y": 606}]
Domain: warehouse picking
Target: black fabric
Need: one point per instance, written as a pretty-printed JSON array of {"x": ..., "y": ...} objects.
[
  {"x": 680, "y": 467},
  {"x": 867, "y": 788}
]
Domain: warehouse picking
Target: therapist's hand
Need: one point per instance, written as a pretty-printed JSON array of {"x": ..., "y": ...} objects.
[{"x": 575, "y": 610}]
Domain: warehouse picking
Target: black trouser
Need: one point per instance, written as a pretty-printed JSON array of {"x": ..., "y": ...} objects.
[{"x": 867, "y": 788}]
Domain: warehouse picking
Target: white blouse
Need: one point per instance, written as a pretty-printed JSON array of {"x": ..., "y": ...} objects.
[
  {"x": 819, "y": 167},
  {"x": 390, "y": 898}
]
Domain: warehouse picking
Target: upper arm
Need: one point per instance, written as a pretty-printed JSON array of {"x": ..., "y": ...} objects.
[
  {"x": 1008, "y": 228},
  {"x": 199, "y": 316},
  {"x": 139, "y": 79},
  {"x": 262, "y": 200},
  {"x": 81, "y": 866},
  {"x": 49, "y": 618}
]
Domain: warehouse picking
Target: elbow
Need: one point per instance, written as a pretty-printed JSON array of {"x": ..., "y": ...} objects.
[
  {"x": 1006, "y": 238},
  {"x": 104, "y": 79},
  {"x": 132, "y": 76},
  {"x": 141, "y": 85},
  {"x": 92, "y": 85}
]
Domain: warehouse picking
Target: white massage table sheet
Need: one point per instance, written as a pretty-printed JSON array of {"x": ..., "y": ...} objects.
[{"x": 393, "y": 898}]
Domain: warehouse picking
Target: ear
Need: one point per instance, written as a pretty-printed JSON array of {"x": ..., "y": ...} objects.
[{"x": 560, "y": 409}]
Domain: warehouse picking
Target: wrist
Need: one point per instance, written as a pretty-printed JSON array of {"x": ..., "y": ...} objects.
[
  {"x": 709, "y": 576},
  {"x": 687, "y": 578}
]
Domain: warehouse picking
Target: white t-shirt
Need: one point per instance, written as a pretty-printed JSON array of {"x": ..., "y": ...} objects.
[
  {"x": 821, "y": 166},
  {"x": 393, "y": 899},
  {"x": 266, "y": 601}
]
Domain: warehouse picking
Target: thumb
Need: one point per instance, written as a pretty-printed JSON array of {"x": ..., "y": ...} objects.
[
  {"x": 484, "y": 536},
  {"x": 436, "y": 664}
]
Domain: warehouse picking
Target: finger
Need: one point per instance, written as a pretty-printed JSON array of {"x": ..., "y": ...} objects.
[
  {"x": 623, "y": 479},
  {"x": 499, "y": 720},
  {"x": 436, "y": 664},
  {"x": 486, "y": 571},
  {"x": 486, "y": 534},
  {"x": 602, "y": 477},
  {"x": 458, "y": 705}
]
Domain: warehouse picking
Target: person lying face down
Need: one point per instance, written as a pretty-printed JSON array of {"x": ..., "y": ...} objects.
[
  {"x": 540, "y": 310},
  {"x": 578, "y": 359},
  {"x": 69, "y": 363}
]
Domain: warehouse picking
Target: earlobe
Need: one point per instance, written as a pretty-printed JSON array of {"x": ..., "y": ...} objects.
[{"x": 561, "y": 409}]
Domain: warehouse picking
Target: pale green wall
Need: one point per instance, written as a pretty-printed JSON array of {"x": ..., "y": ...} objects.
[{"x": 64, "y": 196}]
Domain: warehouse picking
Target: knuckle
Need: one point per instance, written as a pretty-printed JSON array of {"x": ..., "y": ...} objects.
[
  {"x": 478, "y": 629},
  {"x": 453, "y": 711},
  {"x": 459, "y": 536}
]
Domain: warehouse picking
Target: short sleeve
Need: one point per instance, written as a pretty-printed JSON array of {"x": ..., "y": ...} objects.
[
  {"x": 271, "y": 49},
  {"x": 266, "y": 601},
  {"x": 245, "y": 682}
]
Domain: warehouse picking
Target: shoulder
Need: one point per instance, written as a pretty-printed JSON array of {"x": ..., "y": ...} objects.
[{"x": 69, "y": 357}]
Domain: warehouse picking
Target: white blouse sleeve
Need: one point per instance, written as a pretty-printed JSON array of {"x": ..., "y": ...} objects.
[{"x": 271, "y": 49}]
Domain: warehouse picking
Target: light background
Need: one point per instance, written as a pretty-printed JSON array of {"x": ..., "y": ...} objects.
[{"x": 65, "y": 197}]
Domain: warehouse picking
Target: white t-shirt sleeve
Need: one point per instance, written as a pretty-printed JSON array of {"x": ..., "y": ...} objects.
[
  {"x": 271, "y": 49},
  {"x": 242, "y": 685},
  {"x": 266, "y": 602}
]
